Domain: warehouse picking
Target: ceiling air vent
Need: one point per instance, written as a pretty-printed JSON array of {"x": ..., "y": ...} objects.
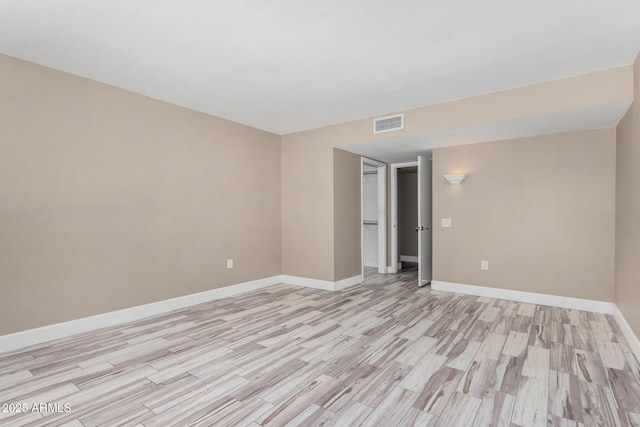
[{"x": 387, "y": 124}]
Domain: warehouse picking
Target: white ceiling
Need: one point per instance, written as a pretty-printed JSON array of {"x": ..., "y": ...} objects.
[{"x": 291, "y": 65}]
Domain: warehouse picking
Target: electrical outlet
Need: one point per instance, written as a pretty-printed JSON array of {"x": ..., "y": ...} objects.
[
  {"x": 484, "y": 265},
  {"x": 230, "y": 263},
  {"x": 446, "y": 222}
]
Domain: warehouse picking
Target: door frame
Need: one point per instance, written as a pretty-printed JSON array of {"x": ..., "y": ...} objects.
[
  {"x": 425, "y": 220},
  {"x": 394, "y": 211},
  {"x": 382, "y": 213}
]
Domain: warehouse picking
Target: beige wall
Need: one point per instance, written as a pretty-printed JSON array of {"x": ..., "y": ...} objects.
[
  {"x": 307, "y": 157},
  {"x": 109, "y": 199},
  {"x": 347, "y": 215},
  {"x": 407, "y": 213},
  {"x": 320, "y": 221},
  {"x": 540, "y": 210},
  {"x": 628, "y": 211},
  {"x": 307, "y": 207},
  {"x": 572, "y": 93}
]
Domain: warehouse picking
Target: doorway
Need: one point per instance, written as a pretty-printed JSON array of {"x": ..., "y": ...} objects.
[
  {"x": 373, "y": 216},
  {"x": 411, "y": 222},
  {"x": 407, "y": 218}
]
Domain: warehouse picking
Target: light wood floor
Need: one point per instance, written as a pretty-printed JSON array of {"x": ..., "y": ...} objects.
[{"x": 383, "y": 353}]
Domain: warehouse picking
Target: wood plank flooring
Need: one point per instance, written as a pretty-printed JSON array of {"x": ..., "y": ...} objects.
[{"x": 383, "y": 353}]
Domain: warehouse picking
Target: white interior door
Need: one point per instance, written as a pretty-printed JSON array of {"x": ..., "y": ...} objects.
[{"x": 424, "y": 229}]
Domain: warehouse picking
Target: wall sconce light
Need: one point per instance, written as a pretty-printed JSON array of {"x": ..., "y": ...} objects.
[{"x": 454, "y": 178}]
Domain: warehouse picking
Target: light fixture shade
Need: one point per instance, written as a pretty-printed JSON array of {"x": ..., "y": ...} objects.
[{"x": 454, "y": 178}]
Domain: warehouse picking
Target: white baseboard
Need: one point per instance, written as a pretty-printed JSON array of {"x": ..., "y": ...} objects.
[
  {"x": 550, "y": 300},
  {"x": 308, "y": 283},
  {"x": 408, "y": 258},
  {"x": 326, "y": 285},
  {"x": 60, "y": 330},
  {"x": 631, "y": 337},
  {"x": 350, "y": 281},
  {"x": 529, "y": 297}
]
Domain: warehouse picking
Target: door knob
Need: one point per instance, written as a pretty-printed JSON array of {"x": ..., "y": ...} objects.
[{"x": 421, "y": 228}]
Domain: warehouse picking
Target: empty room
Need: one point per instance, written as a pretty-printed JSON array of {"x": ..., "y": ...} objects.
[{"x": 244, "y": 213}]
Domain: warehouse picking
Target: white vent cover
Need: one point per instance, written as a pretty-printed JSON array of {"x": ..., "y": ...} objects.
[{"x": 390, "y": 123}]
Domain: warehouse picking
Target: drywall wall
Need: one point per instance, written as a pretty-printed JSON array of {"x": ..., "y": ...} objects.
[
  {"x": 540, "y": 210},
  {"x": 347, "y": 214},
  {"x": 307, "y": 157},
  {"x": 628, "y": 211},
  {"x": 109, "y": 199},
  {"x": 407, "y": 213},
  {"x": 307, "y": 207}
]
